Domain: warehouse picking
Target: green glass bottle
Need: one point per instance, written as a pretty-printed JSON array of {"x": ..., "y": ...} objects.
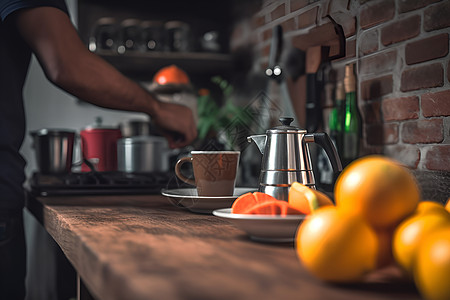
[
  {"x": 352, "y": 118},
  {"x": 338, "y": 115}
]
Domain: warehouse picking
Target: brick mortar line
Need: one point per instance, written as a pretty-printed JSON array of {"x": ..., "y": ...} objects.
[{"x": 446, "y": 121}]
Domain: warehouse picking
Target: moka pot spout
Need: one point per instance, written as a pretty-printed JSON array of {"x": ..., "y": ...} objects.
[{"x": 260, "y": 141}]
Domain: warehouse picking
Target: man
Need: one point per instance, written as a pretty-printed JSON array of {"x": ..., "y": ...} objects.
[{"x": 43, "y": 27}]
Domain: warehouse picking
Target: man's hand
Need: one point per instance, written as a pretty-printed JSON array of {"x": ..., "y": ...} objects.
[{"x": 176, "y": 123}]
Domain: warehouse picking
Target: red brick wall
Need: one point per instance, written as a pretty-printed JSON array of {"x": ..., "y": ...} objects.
[{"x": 401, "y": 50}]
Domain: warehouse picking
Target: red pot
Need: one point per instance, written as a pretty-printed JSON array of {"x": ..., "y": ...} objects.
[{"x": 99, "y": 146}]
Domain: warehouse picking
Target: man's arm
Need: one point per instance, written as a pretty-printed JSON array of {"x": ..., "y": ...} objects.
[{"x": 71, "y": 66}]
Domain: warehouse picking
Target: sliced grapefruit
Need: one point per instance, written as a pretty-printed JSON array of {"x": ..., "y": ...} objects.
[
  {"x": 276, "y": 207},
  {"x": 247, "y": 201}
]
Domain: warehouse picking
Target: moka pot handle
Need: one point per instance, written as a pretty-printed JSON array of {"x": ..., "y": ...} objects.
[{"x": 324, "y": 141}]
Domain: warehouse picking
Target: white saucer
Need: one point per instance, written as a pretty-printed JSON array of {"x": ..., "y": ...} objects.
[
  {"x": 265, "y": 228},
  {"x": 188, "y": 198}
]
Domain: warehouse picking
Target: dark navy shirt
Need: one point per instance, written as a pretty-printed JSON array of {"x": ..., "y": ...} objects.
[{"x": 15, "y": 57}]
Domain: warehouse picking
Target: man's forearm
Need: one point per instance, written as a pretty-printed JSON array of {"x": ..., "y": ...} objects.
[
  {"x": 97, "y": 82},
  {"x": 69, "y": 64}
]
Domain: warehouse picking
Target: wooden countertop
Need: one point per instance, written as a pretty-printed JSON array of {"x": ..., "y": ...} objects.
[{"x": 142, "y": 247}]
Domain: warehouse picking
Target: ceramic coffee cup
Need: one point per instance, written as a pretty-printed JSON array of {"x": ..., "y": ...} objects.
[{"x": 214, "y": 171}]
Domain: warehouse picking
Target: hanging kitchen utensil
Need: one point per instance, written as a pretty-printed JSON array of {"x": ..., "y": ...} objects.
[
  {"x": 285, "y": 64},
  {"x": 329, "y": 34},
  {"x": 315, "y": 57},
  {"x": 293, "y": 62},
  {"x": 322, "y": 44},
  {"x": 341, "y": 36},
  {"x": 274, "y": 69}
]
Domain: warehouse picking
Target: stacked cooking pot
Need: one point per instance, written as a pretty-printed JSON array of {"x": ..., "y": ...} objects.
[{"x": 139, "y": 151}]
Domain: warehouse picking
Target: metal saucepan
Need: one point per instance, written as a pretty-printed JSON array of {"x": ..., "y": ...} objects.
[
  {"x": 54, "y": 150},
  {"x": 141, "y": 154}
]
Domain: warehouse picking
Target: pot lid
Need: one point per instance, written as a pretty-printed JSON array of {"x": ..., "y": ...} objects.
[
  {"x": 286, "y": 127},
  {"x": 143, "y": 139},
  {"x": 98, "y": 124},
  {"x": 51, "y": 131}
]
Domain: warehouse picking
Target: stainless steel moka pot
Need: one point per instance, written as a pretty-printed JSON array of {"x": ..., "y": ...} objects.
[{"x": 286, "y": 158}]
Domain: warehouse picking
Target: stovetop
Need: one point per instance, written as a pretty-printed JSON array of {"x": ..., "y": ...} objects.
[{"x": 103, "y": 183}]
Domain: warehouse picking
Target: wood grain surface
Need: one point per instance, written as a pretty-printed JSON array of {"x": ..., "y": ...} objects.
[{"x": 142, "y": 247}]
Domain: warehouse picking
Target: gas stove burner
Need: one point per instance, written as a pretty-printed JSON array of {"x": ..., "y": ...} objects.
[{"x": 103, "y": 183}]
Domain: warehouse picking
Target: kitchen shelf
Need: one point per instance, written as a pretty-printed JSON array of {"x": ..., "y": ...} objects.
[
  {"x": 201, "y": 16},
  {"x": 147, "y": 63}
]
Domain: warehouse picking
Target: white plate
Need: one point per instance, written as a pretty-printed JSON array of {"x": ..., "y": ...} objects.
[
  {"x": 265, "y": 228},
  {"x": 188, "y": 198}
]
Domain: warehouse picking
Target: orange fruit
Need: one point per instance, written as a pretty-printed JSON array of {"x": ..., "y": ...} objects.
[
  {"x": 430, "y": 206},
  {"x": 171, "y": 75},
  {"x": 411, "y": 233},
  {"x": 432, "y": 268},
  {"x": 447, "y": 205},
  {"x": 276, "y": 207},
  {"x": 246, "y": 201},
  {"x": 336, "y": 246},
  {"x": 306, "y": 199},
  {"x": 379, "y": 189}
]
